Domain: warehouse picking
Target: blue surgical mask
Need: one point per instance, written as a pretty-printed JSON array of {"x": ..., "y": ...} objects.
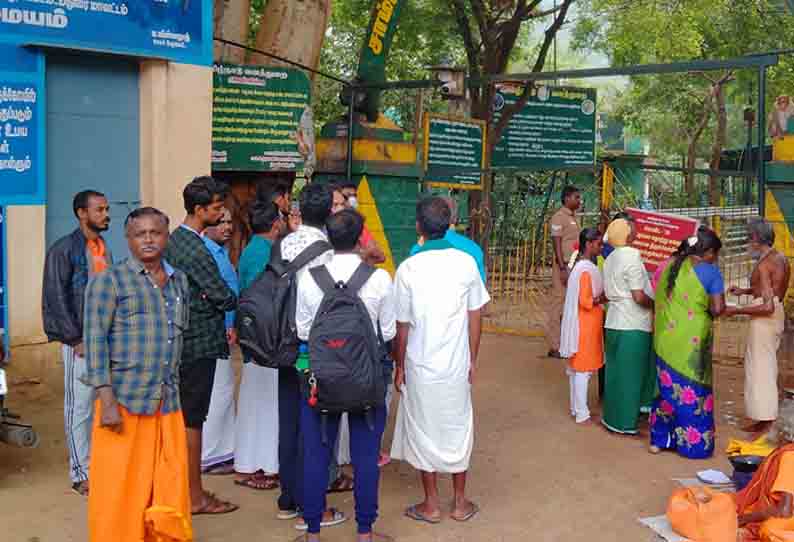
[{"x": 353, "y": 201}]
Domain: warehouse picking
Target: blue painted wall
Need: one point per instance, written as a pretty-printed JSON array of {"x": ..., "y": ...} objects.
[{"x": 92, "y": 139}]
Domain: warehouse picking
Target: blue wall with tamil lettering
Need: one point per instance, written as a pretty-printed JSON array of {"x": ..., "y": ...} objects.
[
  {"x": 178, "y": 30},
  {"x": 22, "y": 126}
]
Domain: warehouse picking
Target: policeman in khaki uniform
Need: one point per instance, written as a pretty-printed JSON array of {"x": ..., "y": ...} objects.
[{"x": 564, "y": 234}]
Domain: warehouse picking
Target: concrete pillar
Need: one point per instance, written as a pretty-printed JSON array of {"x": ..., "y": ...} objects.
[{"x": 176, "y": 131}]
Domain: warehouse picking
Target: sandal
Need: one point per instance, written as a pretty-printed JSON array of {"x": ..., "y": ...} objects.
[
  {"x": 468, "y": 515},
  {"x": 337, "y": 518},
  {"x": 414, "y": 513},
  {"x": 342, "y": 484},
  {"x": 213, "y": 506},
  {"x": 261, "y": 483},
  {"x": 80, "y": 488}
]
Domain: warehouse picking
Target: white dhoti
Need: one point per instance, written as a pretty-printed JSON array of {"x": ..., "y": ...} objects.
[
  {"x": 434, "y": 431},
  {"x": 257, "y": 421},
  {"x": 760, "y": 365},
  {"x": 217, "y": 443}
]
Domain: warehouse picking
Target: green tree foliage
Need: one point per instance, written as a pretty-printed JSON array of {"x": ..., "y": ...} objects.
[{"x": 690, "y": 116}]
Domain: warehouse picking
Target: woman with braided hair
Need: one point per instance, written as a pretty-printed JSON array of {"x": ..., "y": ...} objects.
[{"x": 690, "y": 294}]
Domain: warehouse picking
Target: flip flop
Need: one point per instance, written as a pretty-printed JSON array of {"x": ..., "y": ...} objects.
[
  {"x": 473, "y": 512},
  {"x": 215, "y": 507},
  {"x": 287, "y": 514},
  {"x": 260, "y": 484},
  {"x": 413, "y": 513},
  {"x": 342, "y": 484},
  {"x": 337, "y": 518}
]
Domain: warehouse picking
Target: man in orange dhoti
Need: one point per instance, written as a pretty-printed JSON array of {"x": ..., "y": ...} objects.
[
  {"x": 134, "y": 316},
  {"x": 766, "y": 505}
]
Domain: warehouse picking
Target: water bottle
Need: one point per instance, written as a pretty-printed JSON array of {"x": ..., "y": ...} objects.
[{"x": 302, "y": 363}]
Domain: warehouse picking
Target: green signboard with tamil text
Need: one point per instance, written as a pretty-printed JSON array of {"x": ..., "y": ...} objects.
[
  {"x": 454, "y": 152},
  {"x": 261, "y": 119},
  {"x": 556, "y": 129}
]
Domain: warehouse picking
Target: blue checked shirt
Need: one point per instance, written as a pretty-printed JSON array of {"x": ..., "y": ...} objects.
[
  {"x": 132, "y": 333},
  {"x": 221, "y": 256}
]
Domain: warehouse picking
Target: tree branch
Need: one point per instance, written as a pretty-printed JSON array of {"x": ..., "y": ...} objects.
[
  {"x": 497, "y": 130},
  {"x": 478, "y": 9},
  {"x": 472, "y": 49},
  {"x": 550, "y": 34}
]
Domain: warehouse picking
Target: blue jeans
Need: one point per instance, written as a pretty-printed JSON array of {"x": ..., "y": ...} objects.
[
  {"x": 364, "y": 451},
  {"x": 78, "y": 414},
  {"x": 290, "y": 443}
]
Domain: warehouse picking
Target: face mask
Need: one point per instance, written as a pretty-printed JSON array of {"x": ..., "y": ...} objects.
[{"x": 353, "y": 201}]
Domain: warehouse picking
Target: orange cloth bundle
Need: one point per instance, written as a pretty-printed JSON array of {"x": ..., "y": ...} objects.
[{"x": 703, "y": 515}]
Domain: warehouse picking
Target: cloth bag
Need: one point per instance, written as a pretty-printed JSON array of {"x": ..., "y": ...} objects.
[{"x": 703, "y": 515}]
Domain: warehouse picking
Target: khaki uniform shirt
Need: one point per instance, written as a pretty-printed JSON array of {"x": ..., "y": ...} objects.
[{"x": 564, "y": 225}]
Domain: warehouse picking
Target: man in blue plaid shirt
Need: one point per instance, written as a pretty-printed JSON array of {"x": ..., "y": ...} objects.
[{"x": 135, "y": 315}]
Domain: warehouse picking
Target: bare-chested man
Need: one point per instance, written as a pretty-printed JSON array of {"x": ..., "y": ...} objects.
[{"x": 768, "y": 284}]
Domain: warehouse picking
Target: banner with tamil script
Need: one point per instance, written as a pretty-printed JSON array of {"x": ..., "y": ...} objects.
[
  {"x": 660, "y": 234},
  {"x": 261, "y": 119},
  {"x": 22, "y": 115},
  {"x": 178, "y": 30}
]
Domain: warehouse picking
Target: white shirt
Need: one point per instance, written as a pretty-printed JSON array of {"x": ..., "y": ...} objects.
[
  {"x": 435, "y": 290},
  {"x": 624, "y": 272},
  {"x": 376, "y": 294},
  {"x": 298, "y": 241}
]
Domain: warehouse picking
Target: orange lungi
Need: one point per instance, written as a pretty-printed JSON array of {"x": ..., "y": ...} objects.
[{"x": 139, "y": 483}]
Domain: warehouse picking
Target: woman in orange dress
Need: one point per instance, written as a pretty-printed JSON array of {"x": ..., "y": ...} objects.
[{"x": 582, "y": 338}]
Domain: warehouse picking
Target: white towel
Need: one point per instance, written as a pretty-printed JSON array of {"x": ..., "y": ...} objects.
[{"x": 569, "y": 333}]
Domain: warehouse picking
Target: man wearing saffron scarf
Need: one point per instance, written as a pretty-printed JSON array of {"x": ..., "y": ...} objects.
[
  {"x": 135, "y": 313},
  {"x": 439, "y": 296},
  {"x": 766, "y": 505}
]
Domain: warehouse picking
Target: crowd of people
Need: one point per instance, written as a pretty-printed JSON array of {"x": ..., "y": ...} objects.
[
  {"x": 150, "y": 385},
  {"x": 650, "y": 336}
]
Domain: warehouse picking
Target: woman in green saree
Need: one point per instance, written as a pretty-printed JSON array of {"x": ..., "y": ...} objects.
[{"x": 691, "y": 293}]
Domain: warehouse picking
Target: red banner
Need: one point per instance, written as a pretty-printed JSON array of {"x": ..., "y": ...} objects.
[{"x": 659, "y": 234}]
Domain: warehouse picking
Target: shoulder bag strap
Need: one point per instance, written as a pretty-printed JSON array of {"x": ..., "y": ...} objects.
[
  {"x": 323, "y": 279},
  {"x": 316, "y": 249}
]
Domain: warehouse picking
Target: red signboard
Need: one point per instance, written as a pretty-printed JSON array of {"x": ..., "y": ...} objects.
[{"x": 659, "y": 234}]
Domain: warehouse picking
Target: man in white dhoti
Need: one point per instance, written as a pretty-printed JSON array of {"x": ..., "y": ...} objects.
[
  {"x": 256, "y": 446},
  {"x": 439, "y": 295},
  {"x": 768, "y": 285}
]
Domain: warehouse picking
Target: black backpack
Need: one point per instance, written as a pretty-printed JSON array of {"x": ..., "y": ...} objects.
[
  {"x": 266, "y": 310},
  {"x": 345, "y": 353}
]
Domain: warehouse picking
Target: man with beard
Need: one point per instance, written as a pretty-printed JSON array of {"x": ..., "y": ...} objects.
[
  {"x": 205, "y": 337},
  {"x": 70, "y": 262},
  {"x": 768, "y": 284}
]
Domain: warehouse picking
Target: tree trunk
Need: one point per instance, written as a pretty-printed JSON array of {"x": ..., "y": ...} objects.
[
  {"x": 719, "y": 142},
  {"x": 691, "y": 155},
  {"x": 294, "y": 30},
  {"x": 218, "y": 8},
  {"x": 231, "y": 23}
]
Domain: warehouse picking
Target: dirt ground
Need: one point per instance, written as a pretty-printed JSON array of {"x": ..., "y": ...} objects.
[{"x": 535, "y": 474}]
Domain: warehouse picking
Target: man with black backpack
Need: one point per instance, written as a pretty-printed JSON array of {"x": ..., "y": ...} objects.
[
  {"x": 345, "y": 310},
  {"x": 315, "y": 208}
]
